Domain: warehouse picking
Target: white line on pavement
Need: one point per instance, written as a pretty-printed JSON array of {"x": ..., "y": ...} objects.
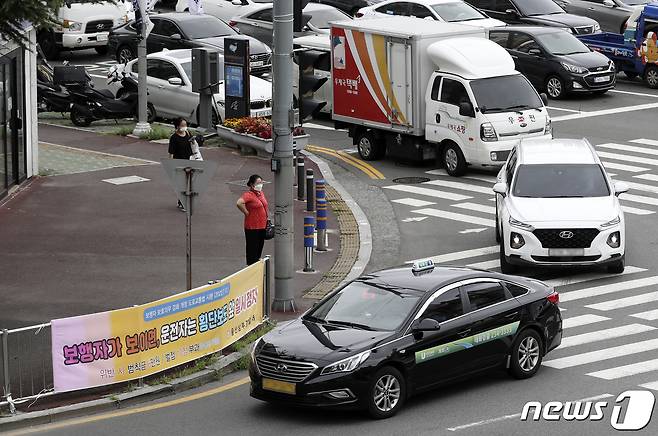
[
  {"x": 641, "y": 94},
  {"x": 487, "y": 264},
  {"x": 602, "y": 335},
  {"x": 642, "y": 187},
  {"x": 482, "y": 178},
  {"x": 608, "y": 289},
  {"x": 649, "y": 315},
  {"x": 652, "y": 385},
  {"x": 620, "y": 303},
  {"x": 587, "y": 277},
  {"x": 650, "y": 177},
  {"x": 623, "y": 167},
  {"x": 413, "y": 202},
  {"x": 581, "y": 320},
  {"x": 645, "y": 141},
  {"x": 459, "y": 217},
  {"x": 430, "y": 192},
  {"x": 603, "y": 354},
  {"x": 626, "y": 370},
  {"x": 636, "y": 211},
  {"x": 640, "y": 199},
  {"x": 458, "y": 255},
  {"x": 476, "y": 207},
  {"x": 563, "y": 109},
  {"x": 459, "y": 185},
  {"x": 599, "y": 113},
  {"x": 630, "y": 148},
  {"x": 627, "y": 158}
]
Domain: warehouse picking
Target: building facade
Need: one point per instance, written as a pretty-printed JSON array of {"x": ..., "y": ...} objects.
[{"x": 18, "y": 113}]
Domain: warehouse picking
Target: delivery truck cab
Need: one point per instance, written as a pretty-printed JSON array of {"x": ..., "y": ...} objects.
[{"x": 419, "y": 90}]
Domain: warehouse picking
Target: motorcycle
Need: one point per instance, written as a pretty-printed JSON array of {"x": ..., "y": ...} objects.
[{"x": 51, "y": 97}]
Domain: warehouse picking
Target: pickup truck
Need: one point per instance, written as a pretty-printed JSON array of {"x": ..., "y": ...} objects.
[{"x": 635, "y": 55}]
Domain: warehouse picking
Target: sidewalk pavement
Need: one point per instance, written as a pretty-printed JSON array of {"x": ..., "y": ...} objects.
[{"x": 73, "y": 244}]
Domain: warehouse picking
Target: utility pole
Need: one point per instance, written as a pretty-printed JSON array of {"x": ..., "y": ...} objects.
[
  {"x": 142, "y": 127},
  {"x": 282, "y": 160}
]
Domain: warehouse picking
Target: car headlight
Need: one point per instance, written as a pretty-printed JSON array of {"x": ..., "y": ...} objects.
[
  {"x": 611, "y": 66},
  {"x": 73, "y": 26},
  {"x": 573, "y": 68},
  {"x": 346, "y": 365},
  {"x": 614, "y": 240},
  {"x": 611, "y": 223},
  {"x": 521, "y": 225}
]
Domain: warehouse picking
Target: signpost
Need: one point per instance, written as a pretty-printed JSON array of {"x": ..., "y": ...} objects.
[{"x": 236, "y": 77}]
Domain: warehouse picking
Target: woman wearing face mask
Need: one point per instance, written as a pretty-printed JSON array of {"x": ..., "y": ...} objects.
[
  {"x": 179, "y": 145},
  {"x": 253, "y": 205}
]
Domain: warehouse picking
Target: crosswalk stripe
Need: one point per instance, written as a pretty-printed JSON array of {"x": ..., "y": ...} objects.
[
  {"x": 459, "y": 255},
  {"x": 608, "y": 289},
  {"x": 626, "y": 370},
  {"x": 487, "y": 264},
  {"x": 645, "y": 141},
  {"x": 642, "y": 187},
  {"x": 603, "y": 354},
  {"x": 429, "y": 192},
  {"x": 626, "y": 158},
  {"x": 650, "y": 177},
  {"x": 460, "y": 185},
  {"x": 651, "y": 385},
  {"x": 476, "y": 207},
  {"x": 625, "y": 302},
  {"x": 630, "y": 148},
  {"x": 636, "y": 211},
  {"x": 623, "y": 167},
  {"x": 581, "y": 320},
  {"x": 482, "y": 178},
  {"x": 639, "y": 199},
  {"x": 413, "y": 202},
  {"x": 571, "y": 280},
  {"x": 602, "y": 335},
  {"x": 456, "y": 217},
  {"x": 649, "y": 315}
]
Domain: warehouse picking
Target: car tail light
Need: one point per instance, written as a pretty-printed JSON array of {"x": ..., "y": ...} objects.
[
  {"x": 554, "y": 298},
  {"x": 232, "y": 23},
  {"x": 359, "y": 15}
]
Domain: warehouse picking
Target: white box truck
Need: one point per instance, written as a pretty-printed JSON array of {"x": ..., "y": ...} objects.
[{"x": 419, "y": 90}]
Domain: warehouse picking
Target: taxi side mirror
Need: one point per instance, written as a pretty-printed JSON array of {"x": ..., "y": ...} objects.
[{"x": 426, "y": 325}]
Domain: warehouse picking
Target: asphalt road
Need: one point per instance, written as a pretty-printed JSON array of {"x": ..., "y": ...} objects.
[{"x": 611, "y": 322}]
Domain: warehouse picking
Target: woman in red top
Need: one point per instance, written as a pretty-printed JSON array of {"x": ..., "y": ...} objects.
[{"x": 253, "y": 205}]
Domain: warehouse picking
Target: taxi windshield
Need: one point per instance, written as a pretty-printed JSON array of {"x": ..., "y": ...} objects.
[{"x": 365, "y": 306}]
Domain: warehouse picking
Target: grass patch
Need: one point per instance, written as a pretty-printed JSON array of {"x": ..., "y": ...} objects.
[
  {"x": 189, "y": 369},
  {"x": 157, "y": 132},
  {"x": 253, "y": 336},
  {"x": 123, "y": 130}
]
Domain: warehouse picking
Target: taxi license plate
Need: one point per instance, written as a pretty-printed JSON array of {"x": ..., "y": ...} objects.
[
  {"x": 102, "y": 37},
  {"x": 601, "y": 79},
  {"x": 279, "y": 386},
  {"x": 257, "y": 64},
  {"x": 263, "y": 113},
  {"x": 560, "y": 252}
]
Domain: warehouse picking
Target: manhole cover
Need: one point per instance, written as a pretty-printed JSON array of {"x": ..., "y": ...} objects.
[{"x": 411, "y": 180}]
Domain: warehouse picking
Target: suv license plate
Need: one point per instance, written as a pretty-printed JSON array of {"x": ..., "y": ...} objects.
[
  {"x": 601, "y": 79},
  {"x": 279, "y": 386},
  {"x": 563, "y": 252}
]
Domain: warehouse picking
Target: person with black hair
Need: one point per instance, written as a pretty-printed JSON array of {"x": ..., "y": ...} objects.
[
  {"x": 179, "y": 145},
  {"x": 253, "y": 205}
]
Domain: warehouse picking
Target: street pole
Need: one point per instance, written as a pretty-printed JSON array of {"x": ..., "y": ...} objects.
[
  {"x": 282, "y": 78},
  {"x": 142, "y": 127},
  {"x": 188, "y": 225}
]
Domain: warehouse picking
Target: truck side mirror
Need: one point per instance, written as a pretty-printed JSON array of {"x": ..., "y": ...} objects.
[
  {"x": 466, "y": 109},
  {"x": 500, "y": 188},
  {"x": 544, "y": 98}
]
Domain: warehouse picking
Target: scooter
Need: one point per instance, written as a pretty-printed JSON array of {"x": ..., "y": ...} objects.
[{"x": 50, "y": 97}]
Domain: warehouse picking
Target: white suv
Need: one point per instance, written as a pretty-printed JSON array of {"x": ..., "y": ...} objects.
[{"x": 557, "y": 206}]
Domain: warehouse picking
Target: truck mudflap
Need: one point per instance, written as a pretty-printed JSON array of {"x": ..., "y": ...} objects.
[{"x": 409, "y": 148}]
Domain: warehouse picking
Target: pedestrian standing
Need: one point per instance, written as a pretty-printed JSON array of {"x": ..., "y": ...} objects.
[
  {"x": 253, "y": 205},
  {"x": 180, "y": 146}
]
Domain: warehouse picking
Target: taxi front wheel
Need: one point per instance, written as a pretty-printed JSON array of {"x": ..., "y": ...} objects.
[
  {"x": 526, "y": 354},
  {"x": 387, "y": 393}
]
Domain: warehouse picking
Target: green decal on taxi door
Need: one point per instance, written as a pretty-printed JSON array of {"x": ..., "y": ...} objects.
[{"x": 469, "y": 342}]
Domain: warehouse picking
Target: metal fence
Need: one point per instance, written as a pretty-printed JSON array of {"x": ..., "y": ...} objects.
[{"x": 25, "y": 364}]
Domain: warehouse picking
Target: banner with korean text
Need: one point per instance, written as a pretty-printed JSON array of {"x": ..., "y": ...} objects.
[{"x": 126, "y": 344}]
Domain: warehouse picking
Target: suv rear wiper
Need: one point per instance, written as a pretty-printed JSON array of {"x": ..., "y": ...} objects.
[{"x": 350, "y": 324}]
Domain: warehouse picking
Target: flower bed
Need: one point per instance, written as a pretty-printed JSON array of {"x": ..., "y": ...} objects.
[{"x": 256, "y": 133}]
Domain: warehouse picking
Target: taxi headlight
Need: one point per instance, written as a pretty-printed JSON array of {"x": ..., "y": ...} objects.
[
  {"x": 253, "y": 351},
  {"x": 346, "y": 365}
]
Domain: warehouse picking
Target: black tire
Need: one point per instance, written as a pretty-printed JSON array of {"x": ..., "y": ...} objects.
[
  {"x": 125, "y": 54},
  {"x": 505, "y": 266},
  {"x": 453, "y": 160},
  {"x": 151, "y": 114},
  {"x": 527, "y": 344},
  {"x": 555, "y": 87},
  {"x": 78, "y": 118},
  {"x": 368, "y": 146},
  {"x": 101, "y": 50},
  {"x": 497, "y": 231},
  {"x": 380, "y": 387},
  {"x": 47, "y": 43},
  {"x": 651, "y": 76},
  {"x": 617, "y": 267}
]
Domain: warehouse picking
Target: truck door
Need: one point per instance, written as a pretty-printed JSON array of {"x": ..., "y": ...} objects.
[{"x": 398, "y": 84}]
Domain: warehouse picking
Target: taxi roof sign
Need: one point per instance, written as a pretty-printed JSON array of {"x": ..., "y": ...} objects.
[{"x": 422, "y": 265}]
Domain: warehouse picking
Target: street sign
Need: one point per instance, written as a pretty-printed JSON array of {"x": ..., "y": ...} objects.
[
  {"x": 236, "y": 77},
  {"x": 201, "y": 172}
]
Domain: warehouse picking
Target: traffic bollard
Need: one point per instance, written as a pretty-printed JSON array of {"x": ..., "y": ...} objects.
[
  {"x": 310, "y": 192},
  {"x": 309, "y": 227},
  {"x": 319, "y": 189},
  {"x": 300, "y": 178},
  {"x": 321, "y": 224}
]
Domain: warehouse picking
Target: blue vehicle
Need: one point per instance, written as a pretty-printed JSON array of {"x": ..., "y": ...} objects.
[{"x": 636, "y": 52}]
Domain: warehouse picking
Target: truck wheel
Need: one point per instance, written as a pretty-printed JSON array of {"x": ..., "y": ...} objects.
[
  {"x": 651, "y": 76},
  {"x": 101, "y": 50},
  {"x": 125, "y": 54},
  {"x": 368, "y": 146},
  {"x": 555, "y": 87},
  {"x": 46, "y": 40},
  {"x": 78, "y": 118},
  {"x": 454, "y": 160},
  {"x": 526, "y": 355}
]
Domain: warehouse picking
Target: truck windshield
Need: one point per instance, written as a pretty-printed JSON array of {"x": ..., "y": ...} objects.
[
  {"x": 561, "y": 43},
  {"x": 504, "y": 94},
  {"x": 457, "y": 11},
  {"x": 539, "y": 7},
  {"x": 560, "y": 181}
]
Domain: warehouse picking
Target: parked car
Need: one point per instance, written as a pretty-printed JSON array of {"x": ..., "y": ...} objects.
[
  {"x": 555, "y": 61},
  {"x": 170, "y": 92},
  {"x": 258, "y": 23},
  {"x": 391, "y": 334},
  {"x": 350, "y": 7},
  {"x": 223, "y": 9},
  {"x": 182, "y": 30},
  {"x": 536, "y": 12},
  {"x": 451, "y": 11},
  {"x": 611, "y": 14},
  {"x": 557, "y": 206}
]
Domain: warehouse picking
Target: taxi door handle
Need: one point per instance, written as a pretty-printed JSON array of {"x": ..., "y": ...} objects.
[
  {"x": 512, "y": 315},
  {"x": 438, "y": 118},
  {"x": 464, "y": 332}
]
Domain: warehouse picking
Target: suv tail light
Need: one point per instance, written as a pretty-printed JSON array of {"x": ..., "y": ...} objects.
[{"x": 554, "y": 298}]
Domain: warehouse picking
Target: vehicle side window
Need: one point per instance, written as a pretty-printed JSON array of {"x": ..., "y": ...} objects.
[
  {"x": 435, "y": 88},
  {"x": 484, "y": 294},
  {"x": 502, "y": 5},
  {"x": 169, "y": 70},
  {"x": 420, "y": 11},
  {"x": 445, "y": 307},
  {"x": 509, "y": 170},
  {"x": 453, "y": 92},
  {"x": 154, "y": 69},
  {"x": 516, "y": 290},
  {"x": 169, "y": 28},
  {"x": 522, "y": 42},
  {"x": 157, "y": 24},
  {"x": 499, "y": 38},
  {"x": 264, "y": 15},
  {"x": 400, "y": 8}
]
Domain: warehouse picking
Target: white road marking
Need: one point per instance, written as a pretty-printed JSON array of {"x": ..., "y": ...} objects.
[
  {"x": 563, "y": 109},
  {"x": 459, "y": 255},
  {"x": 476, "y": 207},
  {"x": 620, "y": 303},
  {"x": 650, "y": 177},
  {"x": 571, "y": 280},
  {"x": 642, "y": 94},
  {"x": 626, "y": 370},
  {"x": 429, "y": 192},
  {"x": 321, "y": 127},
  {"x": 602, "y": 335},
  {"x": 459, "y": 217},
  {"x": 608, "y": 289},
  {"x": 636, "y": 211},
  {"x": 623, "y": 167},
  {"x": 414, "y": 219},
  {"x": 649, "y": 315},
  {"x": 627, "y": 158},
  {"x": 630, "y": 148},
  {"x": 482, "y": 178},
  {"x": 581, "y": 320},
  {"x": 459, "y": 185},
  {"x": 602, "y": 354},
  {"x": 478, "y": 230},
  {"x": 487, "y": 264},
  {"x": 125, "y": 180},
  {"x": 639, "y": 199},
  {"x": 98, "y": 76},
  {"x": 652, "y": 385},
  {"x": 599, "y": 113},
  {"x": 642, "y": 187},
  {"x": 413, "y": 202},
  {"x": 645, "y": 141}
]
